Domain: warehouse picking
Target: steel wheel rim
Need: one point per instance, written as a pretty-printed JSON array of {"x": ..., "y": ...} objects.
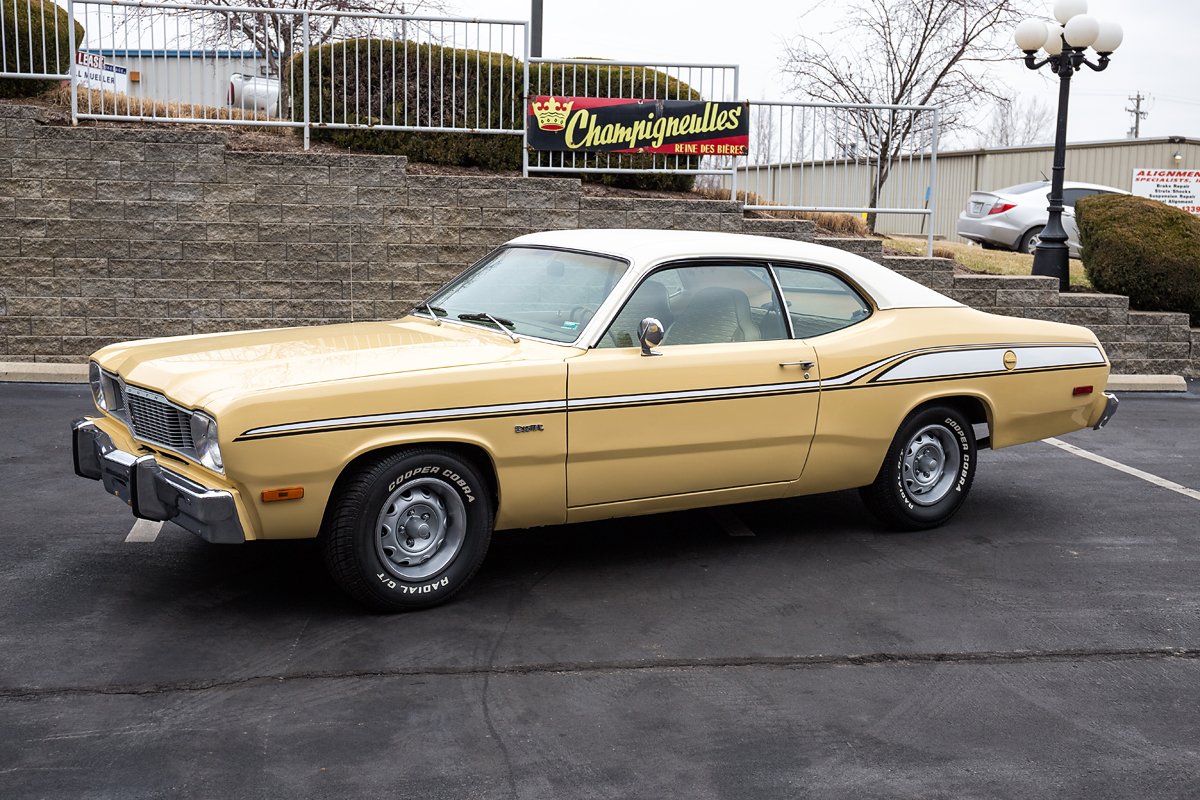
[
  {"x": 420, "y": 529},
  {"x": 930, "y": 465}
]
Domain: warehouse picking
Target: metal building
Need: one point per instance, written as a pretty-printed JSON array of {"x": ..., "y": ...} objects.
[
  {"x": 184, "y": 76},
  {"x": 958, "y": 173}
]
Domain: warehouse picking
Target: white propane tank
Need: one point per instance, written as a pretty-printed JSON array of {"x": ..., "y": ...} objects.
[{"x": 247, "y": 93}]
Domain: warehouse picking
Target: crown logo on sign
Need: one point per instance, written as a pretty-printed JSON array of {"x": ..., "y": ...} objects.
[{"x": 552, "y": 115}]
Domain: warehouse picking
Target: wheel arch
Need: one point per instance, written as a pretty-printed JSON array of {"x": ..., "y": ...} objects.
[
  {"x": 473, "y": 453},
  {"x": 977, "y": 408}
]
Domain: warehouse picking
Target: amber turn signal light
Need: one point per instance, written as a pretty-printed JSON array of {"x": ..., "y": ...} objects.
[{"x": 290, "y": 493}]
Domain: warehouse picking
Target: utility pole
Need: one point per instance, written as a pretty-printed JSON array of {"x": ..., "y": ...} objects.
[
  {"x": 1138, "y": 114},
  {"x": 535, "y": 29}
]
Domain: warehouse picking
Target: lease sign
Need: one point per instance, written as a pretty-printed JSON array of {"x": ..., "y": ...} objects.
[
  {"x": 612, "y": 125},
  {"x": 1175, "y": 187}
]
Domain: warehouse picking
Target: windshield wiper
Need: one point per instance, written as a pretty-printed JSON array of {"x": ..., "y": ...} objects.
[
  {"x": 432, "y": 311},
  {"x": 500, "y": 322}
]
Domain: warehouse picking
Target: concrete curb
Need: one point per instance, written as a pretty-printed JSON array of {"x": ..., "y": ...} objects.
[
  {"x": 1147, "y": 383},
  {"x": 17, "y": 372}
]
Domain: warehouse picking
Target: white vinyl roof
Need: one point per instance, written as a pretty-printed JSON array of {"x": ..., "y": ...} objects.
[{"x": 646, "y": 249}]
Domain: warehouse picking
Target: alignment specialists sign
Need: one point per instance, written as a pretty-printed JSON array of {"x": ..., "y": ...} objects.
[
  {"x": 1175, "y": 187},
  {"x": 613, "y": 125}
]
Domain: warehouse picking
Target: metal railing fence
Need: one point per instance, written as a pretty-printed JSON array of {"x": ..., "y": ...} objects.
[
  {"x": 299, "y": 68},
  {"x": 878, "y": 160},
  {"x": 32, "y": 42}
]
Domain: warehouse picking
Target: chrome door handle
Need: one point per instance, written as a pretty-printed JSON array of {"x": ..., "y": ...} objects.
[{"x": 800, "y": 364}]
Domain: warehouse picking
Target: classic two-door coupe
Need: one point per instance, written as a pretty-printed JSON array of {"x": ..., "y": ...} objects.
[{"x": 580, "y": 375}]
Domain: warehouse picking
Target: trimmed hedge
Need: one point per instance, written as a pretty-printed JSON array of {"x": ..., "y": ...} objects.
[
  {"x": 1144, "y": 249},
  {"x": 377, "y": 68},
  {"x": 26, "y": 23}
]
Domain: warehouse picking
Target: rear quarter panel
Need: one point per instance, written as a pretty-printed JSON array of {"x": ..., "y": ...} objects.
[{"x": 866, "y": 392}]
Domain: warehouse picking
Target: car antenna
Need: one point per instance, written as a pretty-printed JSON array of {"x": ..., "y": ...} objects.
[{"x": 1042, "y": 172}]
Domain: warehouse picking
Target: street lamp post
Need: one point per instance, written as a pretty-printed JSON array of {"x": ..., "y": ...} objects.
[{"x": 1065, "y": 47}]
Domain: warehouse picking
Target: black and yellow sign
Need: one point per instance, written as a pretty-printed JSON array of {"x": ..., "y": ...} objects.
[{"x": 613, "y": 125}]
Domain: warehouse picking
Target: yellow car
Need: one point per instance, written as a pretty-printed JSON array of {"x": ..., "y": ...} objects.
[{"x": 580, "y": 375}]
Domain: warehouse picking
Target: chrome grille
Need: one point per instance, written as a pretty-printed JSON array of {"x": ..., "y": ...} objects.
[{"x": 157, "y": 420}]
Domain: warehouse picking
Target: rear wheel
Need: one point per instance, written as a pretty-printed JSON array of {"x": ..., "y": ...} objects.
[
  {"x": 409, "y": 530},
  {"x": 928, "y": 470},
  {"x": 1030, "y": 240}
]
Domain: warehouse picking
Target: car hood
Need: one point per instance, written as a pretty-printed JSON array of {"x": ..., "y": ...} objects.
[{"x": 201, "y": 371}]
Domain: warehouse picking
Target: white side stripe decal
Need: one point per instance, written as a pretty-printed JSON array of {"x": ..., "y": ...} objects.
[
  {"x": 408, "y": 416},
  {"x": 990, "y": 360},
  {"x": 691, "y": 394}
]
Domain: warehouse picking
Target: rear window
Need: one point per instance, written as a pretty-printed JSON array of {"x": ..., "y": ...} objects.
[{"x": 1022, "y": 188}]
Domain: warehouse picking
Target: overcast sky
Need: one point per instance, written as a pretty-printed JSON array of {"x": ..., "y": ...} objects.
[{"x": 1157, "y": 58}]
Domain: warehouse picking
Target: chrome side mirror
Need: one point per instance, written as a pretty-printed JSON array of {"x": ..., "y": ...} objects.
[{"x": 650, "y": 334}]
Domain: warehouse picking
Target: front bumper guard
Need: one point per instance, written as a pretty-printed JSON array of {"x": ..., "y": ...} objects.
[
  {"x": 153, "y": 492},
  {"x": 1110, "y": 408}
]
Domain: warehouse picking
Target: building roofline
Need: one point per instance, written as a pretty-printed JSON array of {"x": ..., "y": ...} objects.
[{"x": 1030, "y": 148}]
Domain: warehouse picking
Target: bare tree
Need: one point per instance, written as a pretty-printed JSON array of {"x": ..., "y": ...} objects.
[
  {"x": 904, "y": 52},
  {"x": 1013, "y": 124}
]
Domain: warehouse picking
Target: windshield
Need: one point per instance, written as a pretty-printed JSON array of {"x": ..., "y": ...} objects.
[{"x": 550, "y": 294}]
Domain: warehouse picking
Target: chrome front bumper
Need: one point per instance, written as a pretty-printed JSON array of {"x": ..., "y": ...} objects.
[
  {"x": 1110, "y": 408},
  {"x": 154, "y": 492}
]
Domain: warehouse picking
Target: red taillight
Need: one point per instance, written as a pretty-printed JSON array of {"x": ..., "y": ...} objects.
[
  {"x": 1000, "y": 208},
  {"x": 1080, "y": 390}
]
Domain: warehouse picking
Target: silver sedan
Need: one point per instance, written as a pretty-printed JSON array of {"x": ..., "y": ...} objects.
[{"x": 1012, "y": 218}]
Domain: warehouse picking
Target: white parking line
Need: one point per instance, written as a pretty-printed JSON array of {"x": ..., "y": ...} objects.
[
  {"x": 1137, "y": 473},
  {"x": 144, "y": 530}
]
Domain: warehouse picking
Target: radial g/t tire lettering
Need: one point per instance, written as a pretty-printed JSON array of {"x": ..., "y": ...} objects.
[
  {"x": 408, "y": 530},
  {"x": 928, "y": 470}
]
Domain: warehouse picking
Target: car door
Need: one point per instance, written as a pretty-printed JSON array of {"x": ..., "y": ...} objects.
[{"x": 729, "y": 400}]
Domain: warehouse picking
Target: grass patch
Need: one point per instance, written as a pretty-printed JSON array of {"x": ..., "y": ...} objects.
[
  {"x": 841, "y": 224},
  {"x": 985, "y": 262},
  {"x": 96, "y": 101}
]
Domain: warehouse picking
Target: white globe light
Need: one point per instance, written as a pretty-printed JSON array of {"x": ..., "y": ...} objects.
[
  {"x": 1053, "y": 43},
  {"x": 1065, "y": 9},
  {"x": 1030, "y": 34},
  {"x": 1109, "y": 38},
  {"x": 1082, "y": 30}
]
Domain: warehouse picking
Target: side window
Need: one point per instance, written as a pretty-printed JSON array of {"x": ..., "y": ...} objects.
[
  {"x": 702, "y": 305},
  {"x": 1072, "y": 196},
  {"x": 819, "y": 302}
]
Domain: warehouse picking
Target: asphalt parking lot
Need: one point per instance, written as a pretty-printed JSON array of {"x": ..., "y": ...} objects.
[{"x": 1044, "y": 644}]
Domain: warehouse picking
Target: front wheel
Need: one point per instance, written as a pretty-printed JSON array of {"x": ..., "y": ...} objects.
[
  {"x": 928, "y": 470},
  {"x": 408, "y": 530}
]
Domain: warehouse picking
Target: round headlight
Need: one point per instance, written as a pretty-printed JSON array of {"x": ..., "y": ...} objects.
[
  {"x": 96, "y": 381},
  {"x": 204, "y": 440}
]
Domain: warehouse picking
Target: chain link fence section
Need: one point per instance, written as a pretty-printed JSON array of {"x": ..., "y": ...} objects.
[{"x": 630, "y": 80}]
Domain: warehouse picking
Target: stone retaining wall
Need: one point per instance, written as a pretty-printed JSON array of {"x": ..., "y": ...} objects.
[{"x": 116, "y": 233}]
